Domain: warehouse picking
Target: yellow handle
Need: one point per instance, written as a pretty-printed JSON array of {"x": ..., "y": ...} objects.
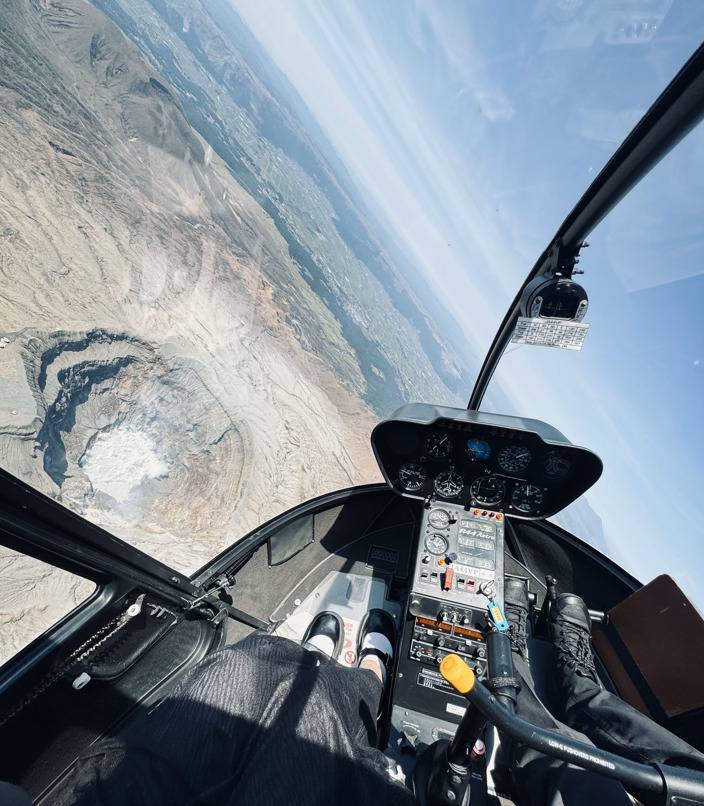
[{"x": 457, "y": 673}]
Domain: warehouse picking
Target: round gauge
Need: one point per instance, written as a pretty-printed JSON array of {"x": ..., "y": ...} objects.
[
  {"x": 487, "y": 490},
  {"x": 556, "y": 465},
  {"x": 436, "y": 544},
  {"x": 527, "y": 498},
  {"x": 411, "y": 477},
  {"x": 439, "y": 518},
  {"x": 514, "y": 458},
  {"x": 449, "y": 483},
  {"x": 438, "y": 445},
  {"x": 478, "y": 449}
]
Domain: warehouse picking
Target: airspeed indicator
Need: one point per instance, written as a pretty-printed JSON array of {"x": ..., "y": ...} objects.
[{"x": 438, "y": 445}]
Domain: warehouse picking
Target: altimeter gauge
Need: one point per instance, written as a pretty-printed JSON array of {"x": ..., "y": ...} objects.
[
  {"x": 411, "y": 477},
  {"x": 514, "y": 458},
  {"x": 436, "y": 544},
  {"x": 449, "y": 483},
  {"x": 487, "y": 491},
  {"x": 527, "y": 498},
  {"x": 438, "y": 445}
]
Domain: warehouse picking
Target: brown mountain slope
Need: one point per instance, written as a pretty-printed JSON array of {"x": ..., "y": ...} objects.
[{"x": 150, "y": 378}]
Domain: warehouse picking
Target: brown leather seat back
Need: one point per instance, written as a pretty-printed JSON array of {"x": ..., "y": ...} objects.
[{"x": 653, "y": 648}]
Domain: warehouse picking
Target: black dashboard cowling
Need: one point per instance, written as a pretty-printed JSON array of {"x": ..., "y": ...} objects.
[{"x": 523, "y": 467}]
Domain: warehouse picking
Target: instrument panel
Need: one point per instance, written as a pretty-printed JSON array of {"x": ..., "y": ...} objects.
[
  {"x": 524, "y": 468},
  {"x": 460, "y": 557},
  {"x": 471, "y": 469}
]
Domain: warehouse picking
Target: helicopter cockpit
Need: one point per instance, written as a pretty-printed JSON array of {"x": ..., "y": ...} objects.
[
  {"x": 132, "y": 387},
  {"x": 459, "y": 515}
]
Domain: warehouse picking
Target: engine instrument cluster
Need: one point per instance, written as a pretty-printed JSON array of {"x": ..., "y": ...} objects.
[
  {"x": 507, "y": 464},
  {"x": 460, "y": 557}
]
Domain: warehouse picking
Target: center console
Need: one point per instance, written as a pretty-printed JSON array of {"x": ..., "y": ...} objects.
[
  {"x": 458, "y": 570},
  {"x": 468, "y": 470}
]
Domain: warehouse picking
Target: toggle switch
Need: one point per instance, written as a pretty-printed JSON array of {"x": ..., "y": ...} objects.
[{"x": 448, "y": 578}]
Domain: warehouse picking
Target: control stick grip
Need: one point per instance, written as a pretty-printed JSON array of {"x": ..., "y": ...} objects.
[
  {"x": 662, "y": 779},
  {"x": 457, "y": 674}
]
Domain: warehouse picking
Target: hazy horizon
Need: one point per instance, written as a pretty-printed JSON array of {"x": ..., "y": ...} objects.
[{"x": 472, "y": 130}]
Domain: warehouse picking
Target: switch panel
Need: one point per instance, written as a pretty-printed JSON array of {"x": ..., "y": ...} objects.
[{"x": 460, "y": 556}]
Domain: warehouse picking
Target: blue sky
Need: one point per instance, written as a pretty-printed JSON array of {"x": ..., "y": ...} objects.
[{"x": 472, "y": 129}]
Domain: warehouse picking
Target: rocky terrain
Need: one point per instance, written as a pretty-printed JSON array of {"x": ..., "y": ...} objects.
[
  {"x": 254, "y": 119},
  {"x": 165, "y": 368},
  {"x": 33, "y": 596}
]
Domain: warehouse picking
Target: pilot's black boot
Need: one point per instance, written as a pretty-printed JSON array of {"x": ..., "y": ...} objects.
[
  {"x": 570, "y": 630},
  {"x": 516, "y": 606},
  {"x": 325, "y": 634},
  {"x": 377, "y": 636}
]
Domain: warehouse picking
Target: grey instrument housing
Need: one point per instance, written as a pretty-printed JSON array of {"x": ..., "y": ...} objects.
[{"x": 400, "y": 440}]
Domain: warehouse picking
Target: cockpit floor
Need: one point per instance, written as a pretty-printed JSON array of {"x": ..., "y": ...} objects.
[{"x": 351, "y": 596}]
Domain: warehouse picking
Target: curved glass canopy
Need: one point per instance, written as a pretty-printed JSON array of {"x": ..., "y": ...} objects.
[
  {"x": 236, "y": 238},
  {"x": 634, "y": 392}
]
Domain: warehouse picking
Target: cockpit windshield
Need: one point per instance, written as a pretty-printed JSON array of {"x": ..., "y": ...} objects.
[
  {"x": 634, "y": 392},
  {"x": 235, "y": 236}
]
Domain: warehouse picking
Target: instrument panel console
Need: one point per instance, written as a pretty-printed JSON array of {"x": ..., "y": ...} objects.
[
  {"x": 459, "y": 569},
  {"x": 460, "y": 557},
  {"x": 471, "y": 470},
  {"x": 524, "y": 468}
]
